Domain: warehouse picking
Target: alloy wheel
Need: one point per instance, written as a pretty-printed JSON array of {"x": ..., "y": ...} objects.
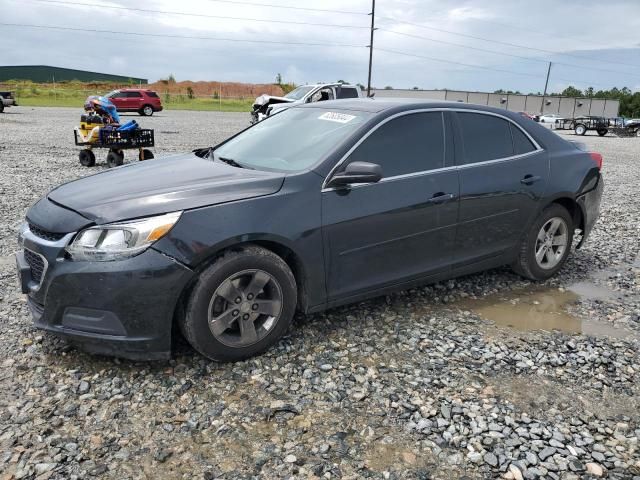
[
  {"x": 245, "y": 307},
  {"x": 551, "y": 243},
  {"x": 148, "y": 110}
]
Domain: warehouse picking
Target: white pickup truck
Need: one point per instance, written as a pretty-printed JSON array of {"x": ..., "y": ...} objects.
[{"x": 266, "y": 105}]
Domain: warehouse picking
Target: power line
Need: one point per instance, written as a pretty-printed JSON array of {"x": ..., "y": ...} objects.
[
  {"x": 190, "y": 37},
  {"x": 495, "y": 52},
  {"x": 397, "y": 52},
  {"x": 287, "y": 7},
  {"x": 457, "y": 63},
  {"x": 199, "y": 15},
  {"x": 506, "y": 43}
]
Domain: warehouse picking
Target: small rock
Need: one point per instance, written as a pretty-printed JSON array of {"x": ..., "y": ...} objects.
[
  {"x": 594, "y": 469},
  {"x": 491, "y": 459},
  {"x": 546, "y": 453},
  {"x": 291, "y": 458}
]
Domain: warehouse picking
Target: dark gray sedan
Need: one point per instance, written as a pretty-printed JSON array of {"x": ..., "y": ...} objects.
[{"x": 320, "y": 205}]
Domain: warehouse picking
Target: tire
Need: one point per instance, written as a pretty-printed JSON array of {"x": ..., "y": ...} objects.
[
  {"x": 580, "y": 129},
  {"x": 146, "y": 111},
  {"x": 145, "y": 154},
  {"x": 229, "y": 343},
  {"x": 115, "y": 158},
  {"x": 602, "y": 131},
  {"x": 526, "y": 264},
  {"x": 1, "y": 105},
  {"x": 87, "y": 158},
  {"x": 637, "y": 132}
]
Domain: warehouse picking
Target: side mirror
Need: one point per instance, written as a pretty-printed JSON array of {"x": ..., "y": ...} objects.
[{"x": 357, "y": 172}]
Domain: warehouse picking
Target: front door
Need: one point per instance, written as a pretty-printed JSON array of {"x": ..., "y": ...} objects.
[
  {"x": 503, "y": 175},
  {"x": 403, "y": 227}
]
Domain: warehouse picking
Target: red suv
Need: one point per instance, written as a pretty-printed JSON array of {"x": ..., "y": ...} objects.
[{"x": 140, "y": 100}]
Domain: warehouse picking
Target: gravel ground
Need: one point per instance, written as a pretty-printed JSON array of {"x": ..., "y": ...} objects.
[{"x": 412, "y": 385}]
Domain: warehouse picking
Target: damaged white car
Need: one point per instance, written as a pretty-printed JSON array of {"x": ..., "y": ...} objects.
[{"x": 266, "y": 105}]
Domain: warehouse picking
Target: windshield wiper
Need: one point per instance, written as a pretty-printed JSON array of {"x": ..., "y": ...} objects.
[{"x": 232, "y": 162}]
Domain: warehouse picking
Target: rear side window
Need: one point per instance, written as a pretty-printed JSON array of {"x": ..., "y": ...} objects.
[
  {"x": 485, "y": 137},
  {"x": 347, "y": 92},
  {"x": 407, "y": 144},
  {"x": 521, "y": 143},
  {"x": 152, "y": 94},
  {"x": 134, "y": 94}
]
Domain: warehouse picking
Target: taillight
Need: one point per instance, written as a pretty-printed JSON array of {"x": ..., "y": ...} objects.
[{"x": 596, "y": 157}]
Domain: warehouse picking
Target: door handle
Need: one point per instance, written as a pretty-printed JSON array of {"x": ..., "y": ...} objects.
[
  {"x": 441, "y": 197},
  {"x": 530, "y": 179}
]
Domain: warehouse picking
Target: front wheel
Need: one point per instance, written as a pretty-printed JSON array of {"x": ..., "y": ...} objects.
[
  {"x": 146, "y": 111},
  {"x": 241, "y": 305},
  {"x": 545, "y": 247}
]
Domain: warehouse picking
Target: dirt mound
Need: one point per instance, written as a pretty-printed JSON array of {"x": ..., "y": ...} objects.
[{"x": 224, "y": 89}]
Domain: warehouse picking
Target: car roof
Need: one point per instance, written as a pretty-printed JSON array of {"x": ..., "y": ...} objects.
[{"x": 378, "y": 105}]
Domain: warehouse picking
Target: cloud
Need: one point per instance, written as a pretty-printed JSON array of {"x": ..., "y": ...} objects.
[{"x": 543, "y": 25}]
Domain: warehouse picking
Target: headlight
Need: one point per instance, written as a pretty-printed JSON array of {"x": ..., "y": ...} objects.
[{"x": 120, "y": 240}]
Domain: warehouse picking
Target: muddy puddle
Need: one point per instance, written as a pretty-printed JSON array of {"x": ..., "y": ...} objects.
[{"x": 547, "y": 309}]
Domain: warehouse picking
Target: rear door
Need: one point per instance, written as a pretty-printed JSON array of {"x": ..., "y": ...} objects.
[
  {"x": 403, "y": 227},
  {"x": 503, "y": 175}
]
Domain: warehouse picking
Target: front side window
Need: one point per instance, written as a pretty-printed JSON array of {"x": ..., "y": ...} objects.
[
  {"x": 292, "y": 140},
  {"x": 322, "y": 95},
  {"x": 406, "y": 144},
  {"x": 485, "y": 137}
]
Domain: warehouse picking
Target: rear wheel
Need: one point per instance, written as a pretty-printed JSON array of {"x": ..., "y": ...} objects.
[
  {"x": 545, "y": 247},
  {"x": 580, "y": 129},
  {"x": 241, "y": 305},
  {"x": 115, "y": 158},
  {"x": 1, "y": 105},
  {"x": 602, "y": 131},
  {"x": 146, "y": 111},
  {"x": 87, "y": 158}
]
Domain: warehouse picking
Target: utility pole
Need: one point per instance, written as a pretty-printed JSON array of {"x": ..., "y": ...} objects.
[
  {"x": 373, "y": 19},
  {"x": 546, "y": 84}
]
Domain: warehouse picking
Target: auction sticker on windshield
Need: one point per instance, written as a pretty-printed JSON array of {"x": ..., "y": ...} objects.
[{"x": 337, "y": 117}]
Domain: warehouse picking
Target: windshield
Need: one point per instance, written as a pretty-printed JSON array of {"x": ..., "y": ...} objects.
[
  {"x": 298, "y": 93},
  {"x": 111, "y": 94},
  {"x": 290, "y": 141}
]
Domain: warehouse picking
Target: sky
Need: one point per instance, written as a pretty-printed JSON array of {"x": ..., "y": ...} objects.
[{"x": 477, "y": 45}]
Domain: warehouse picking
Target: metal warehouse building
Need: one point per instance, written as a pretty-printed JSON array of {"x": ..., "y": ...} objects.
[
  {"x": 47, "y": 74},
  {"x": 568, "y": 107}
]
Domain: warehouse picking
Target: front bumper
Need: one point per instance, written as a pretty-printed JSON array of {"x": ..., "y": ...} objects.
[{"x": 122, "y": 308}]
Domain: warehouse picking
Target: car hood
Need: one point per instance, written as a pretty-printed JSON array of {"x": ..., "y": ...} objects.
[
  {"x": 168, "y": 184},
  {"x": 270, "y": 100}
]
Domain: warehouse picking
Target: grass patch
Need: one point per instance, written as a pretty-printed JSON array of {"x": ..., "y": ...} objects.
[{"x": 177, "y": 102}]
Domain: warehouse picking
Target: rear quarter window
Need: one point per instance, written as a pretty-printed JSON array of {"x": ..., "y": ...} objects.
[
  {"x": 521, "y": 143},
  {"x": 153, "y": 94}
]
